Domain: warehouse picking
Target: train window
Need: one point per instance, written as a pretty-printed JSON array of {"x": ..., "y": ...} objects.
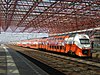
[
  {"x": 52, "y": 47},
  {"x": 57, "y": 47},
  {"x": 63, "y": 48},
  {"x": 61, "y": 38},
  {"x": 49, "y": 46},
  {"x": 84, "y": 41}
]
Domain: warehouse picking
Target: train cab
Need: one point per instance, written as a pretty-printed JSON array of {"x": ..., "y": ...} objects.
[{"x": 79, "y": 45}]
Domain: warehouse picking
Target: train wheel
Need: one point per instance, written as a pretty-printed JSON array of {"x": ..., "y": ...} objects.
[{"x": 71, "y": 53}]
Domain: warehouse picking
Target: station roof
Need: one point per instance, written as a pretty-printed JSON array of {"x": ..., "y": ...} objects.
[{"x": 51, "y": 16}]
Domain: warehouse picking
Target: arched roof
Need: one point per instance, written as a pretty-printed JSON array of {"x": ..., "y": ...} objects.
[{"x": 51, "y": 16}]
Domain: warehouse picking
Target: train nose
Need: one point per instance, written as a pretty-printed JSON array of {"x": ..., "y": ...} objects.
[{"x": 86, "y": 47}]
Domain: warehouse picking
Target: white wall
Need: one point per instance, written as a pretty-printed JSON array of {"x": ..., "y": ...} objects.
[{"x": 8, "y": 37}]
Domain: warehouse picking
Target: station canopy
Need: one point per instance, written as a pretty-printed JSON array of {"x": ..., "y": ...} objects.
[{"x": 50, "y": 16}]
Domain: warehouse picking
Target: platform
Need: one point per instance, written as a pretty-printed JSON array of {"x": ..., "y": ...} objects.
[
  {"x": 13, "y": 63},
  {"x": 7, "y": 64}
]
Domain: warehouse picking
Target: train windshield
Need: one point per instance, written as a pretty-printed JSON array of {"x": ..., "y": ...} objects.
[{"x": 84, "y": 41}]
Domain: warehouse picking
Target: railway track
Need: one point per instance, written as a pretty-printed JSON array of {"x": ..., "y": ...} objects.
[
  {"x": 66, "y": 65},
  {"x": 94, "y": 59}
]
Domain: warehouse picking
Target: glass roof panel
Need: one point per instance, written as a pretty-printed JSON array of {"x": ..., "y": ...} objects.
[{"x": 48, "y": 0}]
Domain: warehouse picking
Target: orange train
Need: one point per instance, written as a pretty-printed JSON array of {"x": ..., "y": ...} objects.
[{"x": 78, "y": 44}]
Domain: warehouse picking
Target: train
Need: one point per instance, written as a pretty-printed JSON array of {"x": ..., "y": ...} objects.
[{"x": 76, "y": 44}]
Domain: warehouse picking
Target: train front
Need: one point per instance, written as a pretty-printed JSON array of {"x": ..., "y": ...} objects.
[{"x": 82, "y": 41}]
